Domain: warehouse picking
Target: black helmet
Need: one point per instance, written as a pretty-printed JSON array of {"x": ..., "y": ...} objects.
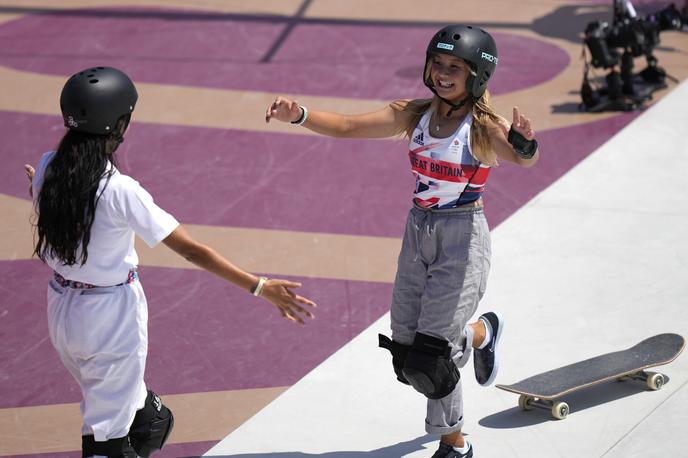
[
  {"x": 472, "y": 44},
  {"x": 93, "y": 100}
]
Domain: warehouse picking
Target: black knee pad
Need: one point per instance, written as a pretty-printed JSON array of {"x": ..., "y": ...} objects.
[
  {"x": 113, "y": 448},
  {"x": 429, "y": 367},
  {"x": 151, "y": 427},
  {"x": 399, "y": 352}
]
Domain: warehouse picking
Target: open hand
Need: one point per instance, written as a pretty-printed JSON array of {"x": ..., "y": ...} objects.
[
  {"x": 284, "y": 110},
  {"x": 280, "y": 294},
  {"x": 30, "y": 172}
]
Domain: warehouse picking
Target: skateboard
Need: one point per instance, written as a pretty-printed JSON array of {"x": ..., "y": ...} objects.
[{"x": 544, "y": 390}]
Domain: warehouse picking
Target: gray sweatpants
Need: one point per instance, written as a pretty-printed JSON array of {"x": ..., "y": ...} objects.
[{"x": 442, "y": 274}]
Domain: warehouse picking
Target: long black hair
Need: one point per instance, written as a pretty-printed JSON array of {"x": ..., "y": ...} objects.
[{"x": 68, "y": 196}]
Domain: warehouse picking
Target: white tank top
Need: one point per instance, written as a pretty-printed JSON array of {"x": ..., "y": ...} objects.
[{"x": 447, "y": 174}]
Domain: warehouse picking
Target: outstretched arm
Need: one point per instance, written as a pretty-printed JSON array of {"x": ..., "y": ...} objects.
[
  {"x": 387, "y": 122},
  {"x": 278, "y": 292},
  {"x": 509, "y": 152}
]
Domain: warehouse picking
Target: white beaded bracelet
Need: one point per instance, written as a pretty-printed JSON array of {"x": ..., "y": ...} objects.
[
  {"x": 303, "y": 117},
  {"x": 259, "y": 287}
]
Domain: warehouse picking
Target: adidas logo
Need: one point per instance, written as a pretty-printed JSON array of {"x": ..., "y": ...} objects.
[{"x": 418, "y": 139}]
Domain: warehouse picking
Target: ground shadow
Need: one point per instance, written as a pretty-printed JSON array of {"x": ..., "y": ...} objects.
[
  {"x": 568, "y": 22},
  {"x": 568, "y": 107},
  {"x": 391, "y": 451},
  {"x": 577, "y": 401}
]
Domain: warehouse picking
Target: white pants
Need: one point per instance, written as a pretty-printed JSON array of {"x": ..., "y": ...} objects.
[{"x": 101, "y": 335}]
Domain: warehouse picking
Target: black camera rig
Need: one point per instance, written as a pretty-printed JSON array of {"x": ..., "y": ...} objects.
[{"x": 636, "y": 36}]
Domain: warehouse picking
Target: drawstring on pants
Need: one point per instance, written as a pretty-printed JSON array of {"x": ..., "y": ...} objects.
[
  {"x": 427, "y": 221},
  {"x": 429, "y": 230}
]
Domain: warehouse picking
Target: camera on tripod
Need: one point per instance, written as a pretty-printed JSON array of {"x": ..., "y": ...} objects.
[{"x": 636, "y": 37}]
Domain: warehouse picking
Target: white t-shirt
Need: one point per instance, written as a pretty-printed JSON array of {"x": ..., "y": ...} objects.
[{"x": 124, "y": 209}]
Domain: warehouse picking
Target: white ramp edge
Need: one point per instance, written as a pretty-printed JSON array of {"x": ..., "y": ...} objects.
[{"x": 594, "y": 263}]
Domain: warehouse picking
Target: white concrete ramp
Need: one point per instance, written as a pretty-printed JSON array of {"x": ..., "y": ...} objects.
[{"x": 593, "y": 264}]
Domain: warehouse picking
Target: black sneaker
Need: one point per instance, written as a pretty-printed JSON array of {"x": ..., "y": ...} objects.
[
  {"x": 485, "y": 360},
  {"x": 447, "y": 451}
]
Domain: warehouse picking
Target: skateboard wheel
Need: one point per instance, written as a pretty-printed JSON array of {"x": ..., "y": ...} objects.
[
  {"x": 560, "y": 410},
  {"x": 655, "y": 381},
  {"x": 524, "y": 402}
]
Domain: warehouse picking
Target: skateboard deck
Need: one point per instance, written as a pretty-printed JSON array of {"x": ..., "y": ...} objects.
[{"x": 543, "y": 389}]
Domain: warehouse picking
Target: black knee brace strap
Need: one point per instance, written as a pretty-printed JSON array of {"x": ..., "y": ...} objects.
[
  {"x": 523, "y": 147},
  {"x": 113, "y": 448},
  {"x": 399, "y": 352},
  {"x": 151, "y": 427},
  {"x": 429, "y": 367}
]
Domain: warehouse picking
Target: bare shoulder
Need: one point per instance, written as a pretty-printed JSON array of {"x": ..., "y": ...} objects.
[
  {"x": 400, "y": 104},
  {"x": 409, "y": 104},
  {"x": 407, "y": 112},
  {"x": 410, "y": 108}
]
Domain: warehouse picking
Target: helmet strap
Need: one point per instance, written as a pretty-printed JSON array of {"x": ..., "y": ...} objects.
[{"x": 454, "y": 106}]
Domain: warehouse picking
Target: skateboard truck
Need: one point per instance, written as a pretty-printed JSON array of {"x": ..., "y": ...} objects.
[
  {"x": 558, "y": 409},
  {"x": 653, "y": 380}
]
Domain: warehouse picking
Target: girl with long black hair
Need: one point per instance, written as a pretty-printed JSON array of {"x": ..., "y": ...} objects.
[{"x": 87, "y": 216}]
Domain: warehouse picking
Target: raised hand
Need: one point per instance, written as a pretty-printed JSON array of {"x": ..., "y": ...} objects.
[
  {"x": 284, "y": 110},
  {"x": 287, "y": 302},
  {"x": 30, "y": 172},
  {"x": 521, "y": 124}
]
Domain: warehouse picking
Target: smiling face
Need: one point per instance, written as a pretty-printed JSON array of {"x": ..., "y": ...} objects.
[{"x": 449, "y": 75}]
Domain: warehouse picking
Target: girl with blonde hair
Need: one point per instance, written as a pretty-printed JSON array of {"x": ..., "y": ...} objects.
[{"x": 455, "y": 138}]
